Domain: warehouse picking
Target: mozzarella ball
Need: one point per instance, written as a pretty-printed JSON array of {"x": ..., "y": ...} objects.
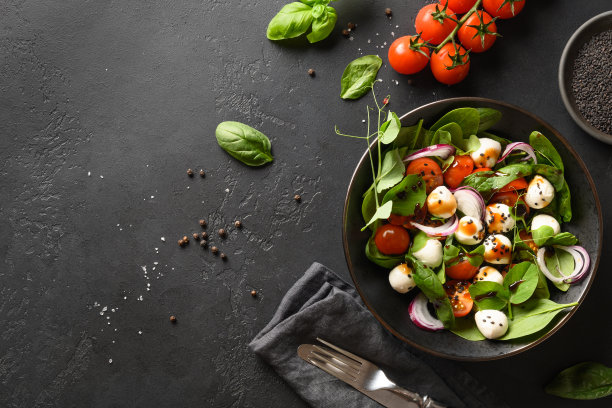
[
  {"x": 492, "y": 323},
  {"x": 539, "y": 193},
  {"x": 490, "y": 274},
  {"x": 441, "y": 203},
  {"x": 487, "y": 154},
  {"x": 470, "y": 231},
  {"x": 498, "y": 218},
  {"x": 498, "y": 249},
  {"x": 542, "y": 220},
  {"x": 430, "y": 254},
  {"x": 400, "y": 278}
]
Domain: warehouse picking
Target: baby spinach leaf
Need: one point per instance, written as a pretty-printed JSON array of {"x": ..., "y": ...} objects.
[
  {"x": 476, "y": 256},
  {"x": 406, "y": 195},
  {"x": 374, "y": 255},
  {"x": 431, "y": 286},
  {"x": 560, "y": 263},
  {"x": 292, "y": 20},
  {"x": 390, "y": 129},
  {"x": 565, "y": 205},
  {"x": 488, "y": 118},
  {"x": 487, "y": 181},
  {"x": 542, "y": 234},
  {"x": 584, "y": 381},
  {"x": 441, "y": 137},
  {"x": 392, "y": 171},
  {"x": 419, "y": 242},
  {"x": 489, "y": 295},
  {"x": 382, "y": 213},
  {"x": 244, "y": 143},
  {"x": 410, "y": 136},
  {"x": 368, "y": 207},
  {"x": 472, "y": 144},
  {"x": 541, "y": 291},
  {"x": 467, "y": 118},
  {"x": 324, "y": 23},
  {"x": 466, "y": 327},
  {"x": 532, "y": 316},
  {"x": 521, "y": 281},
  {"x": 545, "y": 150},
  {"x": 359, "y": 76},
  {"x": 552, "y": 174}
]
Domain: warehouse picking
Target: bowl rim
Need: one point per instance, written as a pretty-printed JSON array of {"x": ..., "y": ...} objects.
[
  {"x": 564, "y": 69},
  {"x": 564, "y": 319}
]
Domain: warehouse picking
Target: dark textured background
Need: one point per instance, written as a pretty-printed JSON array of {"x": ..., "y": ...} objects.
[{"x": 132, "y": 92}]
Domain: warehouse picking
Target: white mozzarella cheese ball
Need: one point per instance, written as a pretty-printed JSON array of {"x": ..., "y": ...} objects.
[
  {"x": 490, "y": 274},
  {"x": 430, "y": 254},
  {"x": 498, "y": 218},
  {"x": 401, "y": 279},
  {"x": 487, "y": 154},
  {"x": 441, "y": 203},
  {"x": 470, "y": 231},
  {"x": 542, "y": 220},
  {"x": 492, "y": 323},
  {"x": 498, "y": 249},
  {"x": 539, "y": 193}
]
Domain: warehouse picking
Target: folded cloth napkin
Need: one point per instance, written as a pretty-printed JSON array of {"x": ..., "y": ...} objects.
[{"x": 321, "y": 304}]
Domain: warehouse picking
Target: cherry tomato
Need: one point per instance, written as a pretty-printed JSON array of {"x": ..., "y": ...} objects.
[
  {"x": 503, "y": 8},
  {"x": 505, "y": 197},
  {"x": 459, "y": 6},
  {"x": 396, "y": 219},
  {"x": 462, "y": 270},
  {"x": 478, "y": 32},
  {"x": 392, "y": 239},
  {"x": 430, "y": 27},
  {"x": 429, "y": 170},
  {"x": 459, "y": 296},
  {"x": 461, "y": 167},
  {"x": 479, "y": 169},
  {"x": 514, "y": 185},
  {"x": 405, "y": 57},
  {"x": 441, "y": 63}
]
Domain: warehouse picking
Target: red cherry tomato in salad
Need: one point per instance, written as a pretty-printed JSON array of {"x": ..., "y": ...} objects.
[
  {"x": 461, "y": 167},
  {"x": 392, "y": 239},
  {"x": 396, "y": 219},
  {"x": 441, "y": 63},
  {"x": 459, "y": 6},
  {"x": 514, "y": 185},
  {"x": 407, "y": 58},
  {"x": 505, "y": 197},
  {"x": 503, "y": 8},
  {"x": 478, "y": 32},
  {"x": 459, "y": 296},
  {"x": 432, "y": 25},
  {"x": 462, "y": 270},
  {"x": 429, "y": 170}
]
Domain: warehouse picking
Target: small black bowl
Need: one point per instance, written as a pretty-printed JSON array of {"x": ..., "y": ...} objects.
[
  {"x": 595, "y": 25},
  {"x": 391, "y": 308}
]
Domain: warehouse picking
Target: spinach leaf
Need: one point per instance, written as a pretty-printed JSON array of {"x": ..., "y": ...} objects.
[
  {"x": 467, "y": 118},
  {"x": 489, "y": 295},
  {"x": 359, "y": 76},
  {"x": 552, "y": 174},
  {"x": 382, "y": 213},
  {"x": 410, "y": 136},
  {"x": 584, "y": 381},
  {"x": 368, "y": 208},
  {"x": 419, "y": 242},
  {"x": 406, "y": 195},
  {"x": 541, "y": 290},
  {"x": 542, "y": 234},
  {"x": 476, "y": 256},
  {"x": 488, "y": 118},
  {"x": 390, "y": 129},
  {"x": 466, "y": 328},
  {"x": 324, "y": 23},
  {"x": 374, "y": 255},
  {"x": 456, "y": 134},
  {"x": 431, "y": 286},
  {"x": 441, "y": 137},
  {"x": 292, "y": 20},
  {"x": 487, "y": 181},
  {"x": 392, "y": 171},
  {"x": 532, "y": 316},
  {"x": 521, "y": 281},
  {"x": 545, "y": 235},
  {"x": 244, "y": 143},
  {"x": 560, "y": 263},
  {"x": 545, "y": 151},
  {"x": 565, "y": 205}
]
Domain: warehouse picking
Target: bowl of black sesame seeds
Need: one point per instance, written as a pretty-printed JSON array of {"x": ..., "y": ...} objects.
[{"x": 585, "y": 77}]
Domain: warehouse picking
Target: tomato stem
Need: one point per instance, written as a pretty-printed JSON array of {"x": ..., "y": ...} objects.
[{"x": 458, "y": 26}]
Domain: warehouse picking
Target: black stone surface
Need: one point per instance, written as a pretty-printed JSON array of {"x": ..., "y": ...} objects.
[{"x": 132, "y": 92}]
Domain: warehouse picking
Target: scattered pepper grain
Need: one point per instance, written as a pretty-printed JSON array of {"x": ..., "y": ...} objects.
[
  {"x": 351, "y": 26},
  {"x": 204, "y": 235},
  {"x": 311, "y": 72},
  {"x": 202, "y": 174},
  {"x": 203, "y": 243},
  {"x": 202, "y": 223},
  {"x": 222, "y": 233},
  {"x": 297, "y": 198},
  {"x": 238, "y": 224},
  {"x": 346, "y": 32},
  {"x": 195, "y": 236},
  {"x": 214, "y": 250},
  {"x": 388, "y": 12},
  {"x": 190, "y": 172},
  {"x": 223, "y": 256},
  {"x": 253, "y": 293},
  {"x": 173, "y": 319}
]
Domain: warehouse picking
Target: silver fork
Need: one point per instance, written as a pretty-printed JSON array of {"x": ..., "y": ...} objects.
[{"x": 360, "y": 372}]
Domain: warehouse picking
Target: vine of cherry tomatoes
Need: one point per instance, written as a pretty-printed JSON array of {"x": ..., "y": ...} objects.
[{"x": 438, "y": 24}]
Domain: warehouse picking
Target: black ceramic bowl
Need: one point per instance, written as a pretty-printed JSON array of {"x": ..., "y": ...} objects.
[
  {"x": 585, "y": 32},
  {"x": 391, "y": 308}
]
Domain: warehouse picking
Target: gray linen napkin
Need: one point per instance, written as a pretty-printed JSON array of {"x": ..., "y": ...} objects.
[{"x": 321, "y": 304}]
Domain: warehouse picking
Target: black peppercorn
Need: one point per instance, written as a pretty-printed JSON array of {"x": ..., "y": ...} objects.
[
  {"x": 253, "y": 293},
  {"x": 388, "y": 12},
  {"x": 190, "y": 172},
  {"x": 202, "y": 174},
  {"x": 173, "y": 319},
  {"x": 195, "y": 236},
  {"x": 223, "y": 256},
  {"x": 297, "y": 198},
  {"x": 203, "y": 243},
  {"x": 214, "y": 250},
  {"x": 202, "y": 223},
  {"x": 204, "y": 235},
  {"x": 222, "y": 233},
  {"x": 238, "y": 224},
  {"x": 311, "y": 72},
  {"x": 346, "y": 32},
  {"x": 351, "y": 26}
]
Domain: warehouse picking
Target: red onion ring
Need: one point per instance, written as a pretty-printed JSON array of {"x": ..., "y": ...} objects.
[
  {"x": 526, "y": 147},
  {"x": 470, "y": 202},
  {"x": 438, "y": 150},
  {"x": 582, "y": 262},
  {"x": 443, "y": 230},
  {"x": 420, "y": 316}
]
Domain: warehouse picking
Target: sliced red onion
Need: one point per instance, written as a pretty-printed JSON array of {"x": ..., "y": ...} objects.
[
  {"x": 582, "y": 261},
  {"x": 443, "y": 230},
  {"x": 439, "y": 150},
  {"x": 526, "y": 147},
  {"x": 420, "y": 315},
  {"x": 470, "y": 202}
]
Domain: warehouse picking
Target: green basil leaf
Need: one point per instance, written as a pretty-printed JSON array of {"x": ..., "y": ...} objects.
[
  {"x": 584, "y": 381},
  {"x": 466, "y": 328},
  {"x": 521, "y": 281},
  {"x": 359, "y": 76},
  {"x": 532, "y": 316},
  {"x": 489, "y": 295},
  {"x": 391, "y": 130},
  {"x": 323, "y": 26},
  {"x": 488, "y": 118},
  {"x": 467, "y": 118},
  {"x": 406, "y": 195},
  {"x": 318, "y": 10},
  {"x": 374, "y": 255},
  {"x": 392, "y": 171},
  {"x": 244, "y": 143},
  {"x": 431, "y": 286},
  {"x": 382, "y": 213},
  {"x": 545, "y": 151},
  {"x": 292, "y": 20}
]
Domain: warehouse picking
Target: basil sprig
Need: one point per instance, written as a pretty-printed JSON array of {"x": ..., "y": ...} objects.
[
  {"x": 359, "y": 76},
  {"x": 294, "y": 19},
  {"x": 244, "y": 143}
]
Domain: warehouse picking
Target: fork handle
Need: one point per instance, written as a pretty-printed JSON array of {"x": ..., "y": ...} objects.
[{"x": 424, "y": 402}]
